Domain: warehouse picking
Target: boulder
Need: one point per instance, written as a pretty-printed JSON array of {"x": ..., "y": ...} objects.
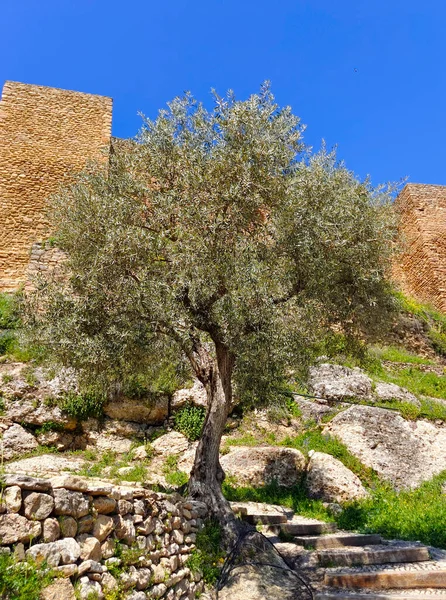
[
  {"x": 406, "y": 453},
  {"x": 15, "y": 528},
  {"x": 104, "y": 505},
  {"x": 171, "y": 443},
  {"x": 50, "y": 530},
  {"x": 329, "y": 479},
  {"x": 35, "y": 413},
  {"x": 149, "y": 411},
  {"x": 102, "y": 527},
  {"x": 91, "y": 548},
  {"x": 25, "y": 482},
  {"x": 17, "y": 441},
  {"x": 335, "y": 382},
  {"x": 46, "y": 464},
  {"x": 37, "y": 506},
  {"x": 68, "y": 526},
  {"x": 259, "y": 466},
  {"x": 390, "y": 391},
  {"x": 194, "y": 395}
]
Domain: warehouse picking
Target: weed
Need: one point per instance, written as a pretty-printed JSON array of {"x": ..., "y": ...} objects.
[
  {"x": 9, "y": 311},
  {"x": 208, "y": 555},
  {"x": 22, "y": 581},
  {"x": 83, "y": 406},
  {"x": 189, "y": 421},
  {"x": 49, "y": 426},
  {"x": 7, "y": 378}
]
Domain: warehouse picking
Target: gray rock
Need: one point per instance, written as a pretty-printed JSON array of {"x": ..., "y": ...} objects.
[
  {"x": 74, "y": 504},
  {"x": 48, "y": 553},
  {"x": 390, "y": 391},
  {"x": 195, "y": 395},
  {"x": 12, "y": 498},
  {"x": 45, "y": 464},
  {"x": 37, "y": 505},
  {"x": 26, "y": 411},
  {"x": 50, "y": 530},
  {"x": 171, "y": 443},
  {"x": 335, "y": 383},
  {"x": 17, "y": 441},
  {"x": 258, "y": 466},
  {"x": 102, "y": 527},
  {"x": 25, "y": 482},
  {"x": 329, "y": 480},
  {"x": 68, "y": 526},
  {"x": 61, "y": 589},
  {"x": 404, "y": 452},
  {"x": 104, "y": 505},
  {"x": 69, "y": 549}
]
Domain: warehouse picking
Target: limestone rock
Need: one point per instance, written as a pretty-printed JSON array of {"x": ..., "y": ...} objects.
[
  {"x": 102, "y": 527},
  {"x": 90, "y": 589},
  {"x": 17, "y": 441},
  {"x": 171, "y": 443},
  {"x": 50, "y": 530},
  {"x": 61, "y": 440},
  {"x": 12, "y": 498},
  {"x": 38, "y": 506},
  {"x": 69, "y": 549},
  {"x": 90, "y": 548},
  {"x": 259, "y": 466},
  {"x": 195, "y": 395},
  {"x": 74, "y": 504},
  {"x": 61, "y": 589},
  {"x": 152, "y": 410},
  {"x": 390, "y": 391},
  {"x": 15, "y": 528},
  {"x": 81, "y": 484},
  {"x": 26, "y": 411},
  {"x": 403, "y": 452},
  {"x": 68, "y": 526},
  {"x": 48, "y": 553},
  {"x": 335, "y": 382},
  {"x": 25, "y": 482},
  {"x": 260, "y": 583},
  {"x": 104, "y": 505},
  {"x": 329, "y": 480},
  {"x": 46, "y": 464}
]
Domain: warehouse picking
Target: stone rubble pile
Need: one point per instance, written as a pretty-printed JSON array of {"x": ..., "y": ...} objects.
[{"x": 84, "y": 529}]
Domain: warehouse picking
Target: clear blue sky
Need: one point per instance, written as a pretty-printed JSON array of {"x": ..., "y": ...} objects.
[{"x": 367, "y": 75}]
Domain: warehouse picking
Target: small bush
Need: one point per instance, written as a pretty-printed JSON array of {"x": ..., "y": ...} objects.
[
  {"x": 189, "y": 421},
  {"x": 9, "y": 311},
  {"x": 208, "y": 556},
  {"x": 83, "y": 406},
  {"x": 22, "y": 581}
]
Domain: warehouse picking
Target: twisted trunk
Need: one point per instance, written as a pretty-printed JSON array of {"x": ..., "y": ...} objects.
[{"x": 207, "y": 474}]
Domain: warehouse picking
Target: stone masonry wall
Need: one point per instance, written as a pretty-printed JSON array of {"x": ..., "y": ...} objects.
[
  {"x": 46, "y": 135},
  {"x": 421, "y": 268},
  {"x": 101, "y": 536}
]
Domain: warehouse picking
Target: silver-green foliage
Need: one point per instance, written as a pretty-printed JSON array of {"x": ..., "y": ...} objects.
[{"x": 215, "y": 224}]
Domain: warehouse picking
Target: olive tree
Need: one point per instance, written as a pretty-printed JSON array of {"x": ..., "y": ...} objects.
[{"x": 217, "y": 236}]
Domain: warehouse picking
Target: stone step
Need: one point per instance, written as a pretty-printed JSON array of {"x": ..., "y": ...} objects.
[
  {"x": 388, "y": 579},
  {"x": 404, "y": 595},
  {"x": 299, "y": 526},
  {"x": 373, "y": 555},
  {"x": 337, "y": 540},
  {"x": 265, "y": 518}
]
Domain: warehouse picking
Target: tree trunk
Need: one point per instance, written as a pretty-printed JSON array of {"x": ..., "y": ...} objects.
[{"x": 207, "y": 474}]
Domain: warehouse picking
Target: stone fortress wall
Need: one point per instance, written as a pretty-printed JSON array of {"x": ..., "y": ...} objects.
[
  {"x": 47, "y": 134},
  {"x": 421, "y": 267}
]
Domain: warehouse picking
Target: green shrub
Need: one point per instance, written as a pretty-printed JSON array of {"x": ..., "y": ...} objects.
[
  {"x": 22, "y": 581},
  {"x": 189, "y": 421},
  {"x": 9, "y": 311},
  {"x": 208, "y": 556},
  {"x": 418, "y": 514},
  {"x": 83, "y": 406}
]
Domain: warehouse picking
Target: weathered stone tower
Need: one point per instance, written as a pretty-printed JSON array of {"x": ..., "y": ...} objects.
[
  {"x": 46, "y": 135},
  {"x": 421, "y": 269}
]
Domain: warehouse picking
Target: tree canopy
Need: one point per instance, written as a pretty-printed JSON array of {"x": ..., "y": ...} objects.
[{"x": 216, "y": 236}]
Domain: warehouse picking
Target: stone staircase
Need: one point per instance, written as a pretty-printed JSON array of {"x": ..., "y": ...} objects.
[{"x": 341, "y": 565}]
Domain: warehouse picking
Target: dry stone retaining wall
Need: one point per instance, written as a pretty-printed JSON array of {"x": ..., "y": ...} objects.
[
  {"x": 46, "y": 135},
  {"x": 84, "y": 528}
]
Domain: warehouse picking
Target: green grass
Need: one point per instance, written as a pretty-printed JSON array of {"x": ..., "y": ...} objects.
[
  {"x": 418, "y": 514},
  {"x": 172, "y": 474},
  {"x": 22, "y": 581},
  {"x": 398, "y": 355},
  {"x": 418, "y": 382},
  {"x": 294, "y": 497},
  {"x": 314, "y": 439}
]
